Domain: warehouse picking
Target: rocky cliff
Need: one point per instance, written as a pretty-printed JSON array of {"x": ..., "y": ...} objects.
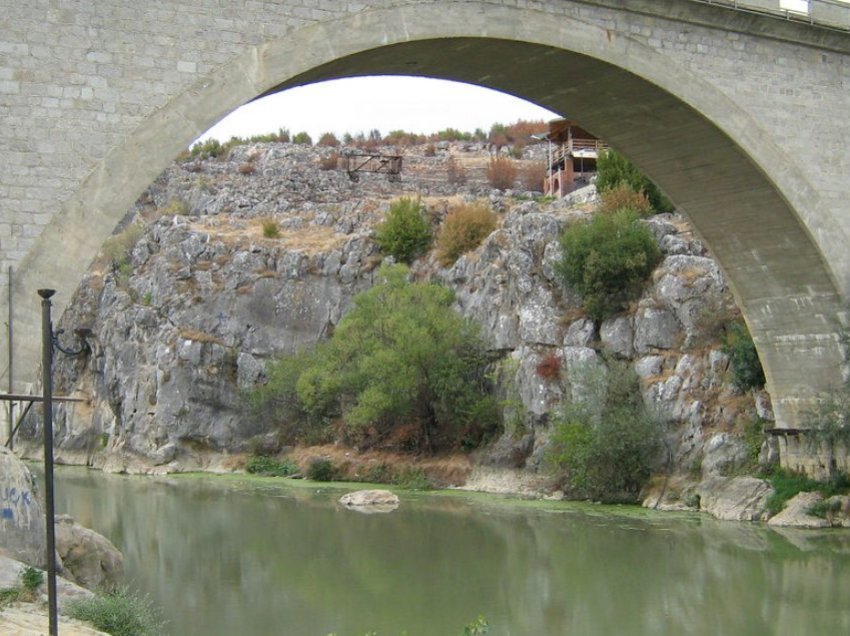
[{"x": 226, "y": 263}]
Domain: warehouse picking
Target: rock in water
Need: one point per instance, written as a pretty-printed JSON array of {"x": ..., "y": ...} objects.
[
  {"x": 89, "y": 558},
  {"x": 370, "y": 501},
  {"x": 21, "y": 517}
]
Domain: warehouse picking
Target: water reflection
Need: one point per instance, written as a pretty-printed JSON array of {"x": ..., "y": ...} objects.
[{"x": 228, "y": 558}]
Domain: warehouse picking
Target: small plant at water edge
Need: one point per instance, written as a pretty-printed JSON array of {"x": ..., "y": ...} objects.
[
  {"x": 119, "y": 612},
  {"x": 413, "y": 479},
  {"x": 269, "y": 467},
  {"x": 321, "y": 469}
]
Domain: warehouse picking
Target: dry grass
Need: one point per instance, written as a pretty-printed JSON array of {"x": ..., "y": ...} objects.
[{"x": 310, "y": 240}]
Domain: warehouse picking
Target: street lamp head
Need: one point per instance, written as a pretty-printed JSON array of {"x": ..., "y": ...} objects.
[{"x": 46, "y": 293}]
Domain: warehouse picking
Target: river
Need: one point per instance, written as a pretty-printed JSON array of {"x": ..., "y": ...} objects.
[{"x": 228, "y": 556}]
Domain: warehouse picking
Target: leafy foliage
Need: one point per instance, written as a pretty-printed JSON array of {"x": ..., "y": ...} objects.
[
  {"x": 405, "y": 232},
  {"x": 787, "y": 484},
  {"x": 613, "y": 170},
  {"x": 267, "y": 466},
  {"x": 604, "y": 447},
  {"x": 303, "y": 138},
  {"x": 321, "y": 469},
  {"x": 463, "y": 230},
  {"x": 401, "y": 356},
  {"x": 607, "y": 261},
  {"x": 747, "y": 372},
  {"x": 119, "y": 612},
  {"x": 622, "y": 197}
]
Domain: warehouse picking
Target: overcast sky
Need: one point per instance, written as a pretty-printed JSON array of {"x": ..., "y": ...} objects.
[{"x": 353, "y": 105}]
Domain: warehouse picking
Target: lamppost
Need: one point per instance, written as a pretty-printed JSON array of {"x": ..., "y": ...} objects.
[{"x": 49, "y": 340}]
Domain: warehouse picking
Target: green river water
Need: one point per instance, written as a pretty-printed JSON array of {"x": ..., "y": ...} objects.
[{"x": 227, "y": 556}]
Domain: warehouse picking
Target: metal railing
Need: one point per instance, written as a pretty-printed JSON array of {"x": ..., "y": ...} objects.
[{"x": 833, "y": 14}]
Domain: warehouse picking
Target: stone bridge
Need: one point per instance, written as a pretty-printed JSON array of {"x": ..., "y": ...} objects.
[{"x": 738, "y": 110}]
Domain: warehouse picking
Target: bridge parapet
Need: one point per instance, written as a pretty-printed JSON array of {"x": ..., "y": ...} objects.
[{"x": 834, "y": 14}]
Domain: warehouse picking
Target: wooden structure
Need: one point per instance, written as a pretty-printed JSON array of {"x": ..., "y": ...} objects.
[
  {"x": 572, "y": 156},
  {"x": 355, "y": 163}
]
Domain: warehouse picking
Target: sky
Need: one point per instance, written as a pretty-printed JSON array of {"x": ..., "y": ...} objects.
[{"x": 413, "y": 104}]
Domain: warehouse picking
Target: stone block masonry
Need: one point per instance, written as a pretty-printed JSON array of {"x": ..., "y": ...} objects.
[{"x": 740, "y": 118}]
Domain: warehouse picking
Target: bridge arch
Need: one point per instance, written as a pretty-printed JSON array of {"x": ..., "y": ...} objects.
[{"x": 745, "y": 195}]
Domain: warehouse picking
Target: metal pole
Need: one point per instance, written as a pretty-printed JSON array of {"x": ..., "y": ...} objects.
[
  {"x": 10, "y": 441},
  {"x": 47, "y": 410}
]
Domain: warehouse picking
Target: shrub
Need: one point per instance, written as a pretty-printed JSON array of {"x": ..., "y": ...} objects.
[
  {"x": 455, "y": 173},
  {"x": 622, "y": 197},
  {"x": 607, "y": 260},
  {"x": 501, "y": 173},
  {"x": 747, "y": 372},
  {"x": 466, "y": 225},
  {"x": 118, "y": 247},
  {"x": 413, "y": 479},
  {"x": 404, "y": 233},
  {"x": 532, "y": 176},
  {"x": 119, "y": 612},
  {"x": 31, "y": 578},
  {"x": 605, "y": 447},
  {"x": 330, "y": 161},
  {"x": 321, "y": 469},
  {"x": 271, "y": 228},
  {"x": 267, "y": 466},
  {"x": 302, "y": 138},
  {"x": 328, "y": 139},
  {"x": 613, "y": 170},
  {"x": 247, "y": 168},
  {"x": 430, "y": 150},
  {"x": 401, "y": 358}
]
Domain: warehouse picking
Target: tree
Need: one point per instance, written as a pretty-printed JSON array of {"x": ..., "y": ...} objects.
[
  {"x": 401, "y": 357},
  {"x": 747, "y": 372},
  {"x": 613, "y": 170}
]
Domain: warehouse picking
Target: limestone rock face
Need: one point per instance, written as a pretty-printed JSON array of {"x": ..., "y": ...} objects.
[
  {"x": 89, "y": 558},
  {"x": 21, "y": 517},
  {"x": 188, "y": 314},
  {"x": 370, "y": 501}
]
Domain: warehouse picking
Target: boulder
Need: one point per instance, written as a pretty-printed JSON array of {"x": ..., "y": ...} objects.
[
  {"x": 370, "y": 500},
  {"x": 89, "y": 558},
  {"x": 795, "y": 513},
  {"x": 734, "y": 498},
  {"x": 21, "y": 517}
]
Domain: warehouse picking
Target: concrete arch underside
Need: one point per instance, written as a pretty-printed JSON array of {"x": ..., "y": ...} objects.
[{"x": 741, "y": 192}]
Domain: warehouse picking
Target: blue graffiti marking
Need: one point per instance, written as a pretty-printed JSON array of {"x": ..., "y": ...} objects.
[
  {"x": 7, "y": 513},
  {"x": 12, "y": 496}
]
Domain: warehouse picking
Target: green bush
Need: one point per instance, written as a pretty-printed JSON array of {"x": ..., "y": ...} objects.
[
  {"x": 31, "y": 578},
  {"x": 607, "y": 261},
  {"x": 405, "y": 233},
  {"x": 400, "y": 359},
  {"x": 613, "y": 169},
  {"x": 747, "y": 372},
  {"x": 119, "y": 612},
  {"x": 604, "y": 448},
  {"x": 321, "y": 469},
  {"x": 827, "y": 426},
  {"x": 466, "y": 225},
  {"x": 267, "y": 466}
]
